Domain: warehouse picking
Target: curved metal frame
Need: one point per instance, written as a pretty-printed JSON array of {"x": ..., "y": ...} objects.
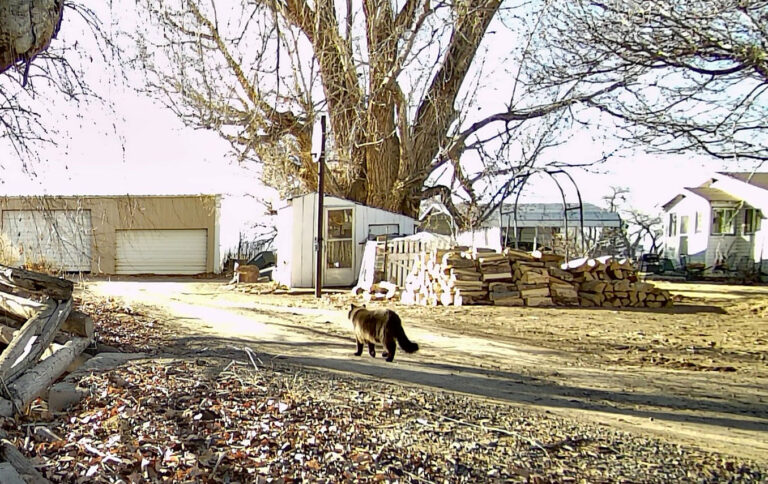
[{"x": 566, "y": 208}]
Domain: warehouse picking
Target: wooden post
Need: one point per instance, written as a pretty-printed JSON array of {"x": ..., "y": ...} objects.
[{"x": 320, "y": 214}]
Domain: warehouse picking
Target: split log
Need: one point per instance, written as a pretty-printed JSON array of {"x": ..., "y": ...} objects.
[
  {"x": 35, "y": 381},
  {"x": 560, "y": 274},
  {"x": 532, "y": 277},
  {"x": 499, "y": 276},
  {"x": 509, "y": 301},
  {"x": 77, "y": 323},
  {"x": 36, "y": 282},
  {"x": 515, "y": 255},
  {"x": 534, "y": 292},
  {"x": 538, "y": 301},
  {"x": 592, "y": 286},
  {"x": 32, "y": 339},
  {"x": 10, "y": 454},
  {"x": 579, "y": 265},
  {"x": 564, "y": 292}
]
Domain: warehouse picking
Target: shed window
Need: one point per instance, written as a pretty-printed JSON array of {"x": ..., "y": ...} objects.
[
  {"x": 698, "y": 223},
  {"x": 723, "y": 221},
  {"x": 752, "y": 218},
  {"x": 672, "y": 229},
  {"x": 684, "y": 224}
]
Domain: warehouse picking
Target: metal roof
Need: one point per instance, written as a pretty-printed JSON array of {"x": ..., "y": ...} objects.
[{"x": 551, "y": 215}]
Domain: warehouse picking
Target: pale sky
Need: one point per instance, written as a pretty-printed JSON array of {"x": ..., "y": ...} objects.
[{"x": 163, "y": 157}]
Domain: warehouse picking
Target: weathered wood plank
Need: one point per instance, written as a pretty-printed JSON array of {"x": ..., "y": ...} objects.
[
  {"x": 36, "y": 282},
  {"x": 23, "y": 351},
  {"x": 35, "y": 381},
  {"x": 77, "y": 323}
]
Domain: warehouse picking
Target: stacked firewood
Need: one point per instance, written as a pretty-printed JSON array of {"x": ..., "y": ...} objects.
[
  {"x": 610, "y": 282},
  {"x": 516, "y": 278}
]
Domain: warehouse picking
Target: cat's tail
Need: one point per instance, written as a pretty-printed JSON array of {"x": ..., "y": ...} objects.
[{"x": 405, "y": 344}]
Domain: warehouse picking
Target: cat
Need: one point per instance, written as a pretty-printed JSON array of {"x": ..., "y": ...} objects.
[{"x": 381, "y": 326}]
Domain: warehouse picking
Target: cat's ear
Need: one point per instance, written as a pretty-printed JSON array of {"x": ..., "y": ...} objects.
[{"x": 352, "y": 306}]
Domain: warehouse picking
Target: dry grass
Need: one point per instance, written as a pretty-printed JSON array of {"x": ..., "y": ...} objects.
[{"x": 9, "y": 254}]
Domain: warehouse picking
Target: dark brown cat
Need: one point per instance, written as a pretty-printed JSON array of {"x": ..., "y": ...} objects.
[{"x": 381, "y": 326}]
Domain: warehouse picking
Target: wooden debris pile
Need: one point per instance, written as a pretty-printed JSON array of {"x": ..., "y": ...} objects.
[
  {"x": 40, "y": 337},
  {"x": 516, "y": 278}
]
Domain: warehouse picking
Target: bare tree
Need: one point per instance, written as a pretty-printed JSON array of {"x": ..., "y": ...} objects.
[
  {"x": 694, "y": 73},
  {"x": 402, "y": 83},
  {"x": 637, "y": 227},
  {"x": 643, "y": 228}
]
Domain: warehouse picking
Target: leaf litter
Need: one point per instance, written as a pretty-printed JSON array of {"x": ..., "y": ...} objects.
[{"x": 218, "y": 420}]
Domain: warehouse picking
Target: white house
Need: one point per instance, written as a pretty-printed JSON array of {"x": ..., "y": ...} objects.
[
  {"x": 720, "y": 223},
  {"x": 347, "y": 227}
]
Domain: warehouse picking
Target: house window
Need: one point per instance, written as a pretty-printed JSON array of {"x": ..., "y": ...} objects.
[
  {"x": 698, "y": 223},
  {"x": 723, "y": 221},
  {"x": 684, "y": 224},
  {"x": 752, "y": 218},
  {"x": 672, "y": 229}
]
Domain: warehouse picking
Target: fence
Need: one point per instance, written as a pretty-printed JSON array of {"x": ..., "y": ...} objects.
[{"x": 395, "y": 258}]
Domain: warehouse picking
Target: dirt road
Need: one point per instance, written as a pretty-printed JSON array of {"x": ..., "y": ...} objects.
[{"x": 695, "y": 374}]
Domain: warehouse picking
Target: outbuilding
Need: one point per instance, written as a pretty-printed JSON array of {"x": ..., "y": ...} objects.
[
  {"x": 125, "y": 234},
  {"x": 347, "y": 227}
]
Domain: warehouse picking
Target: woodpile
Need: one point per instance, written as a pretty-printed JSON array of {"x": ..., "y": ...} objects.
[
  {"x": 516, "y": 278},
  {"x": 40, "y": 335}
]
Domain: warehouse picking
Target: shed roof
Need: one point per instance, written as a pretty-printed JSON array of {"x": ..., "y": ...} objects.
[{"x": 667, "y": 206}]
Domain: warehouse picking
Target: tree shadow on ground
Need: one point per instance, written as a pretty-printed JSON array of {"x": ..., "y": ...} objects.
[{"x": 502, "y": 385}]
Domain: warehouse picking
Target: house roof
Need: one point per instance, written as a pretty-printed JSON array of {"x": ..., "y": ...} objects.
[
  {"x": 713, "y": 194},
  {"x": 759, "y": 180},
  {"x": 704, "y": 191}
]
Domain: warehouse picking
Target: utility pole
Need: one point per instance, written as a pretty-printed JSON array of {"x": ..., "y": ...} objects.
[{"x": 320, "y": 214}]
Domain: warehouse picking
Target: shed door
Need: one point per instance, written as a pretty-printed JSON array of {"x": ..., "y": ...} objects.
[
  {"x": 61, "y": 238},
  {"x": 339, "y": 247},
  {"x": 161, "y": 251}
]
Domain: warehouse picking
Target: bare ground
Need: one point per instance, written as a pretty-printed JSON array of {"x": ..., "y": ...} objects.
[{"x": 694, "y": 374}]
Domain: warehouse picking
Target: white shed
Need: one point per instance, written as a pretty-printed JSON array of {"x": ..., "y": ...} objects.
[{"x": 348, "y": 225}]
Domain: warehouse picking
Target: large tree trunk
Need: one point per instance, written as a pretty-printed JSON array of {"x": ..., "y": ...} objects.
[{"x": 26, "y": 28}]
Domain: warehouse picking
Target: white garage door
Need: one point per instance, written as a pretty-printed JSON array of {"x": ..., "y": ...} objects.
[
  {"x": 161, "y": 251},
  {"x": 61, "y": 238}
]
